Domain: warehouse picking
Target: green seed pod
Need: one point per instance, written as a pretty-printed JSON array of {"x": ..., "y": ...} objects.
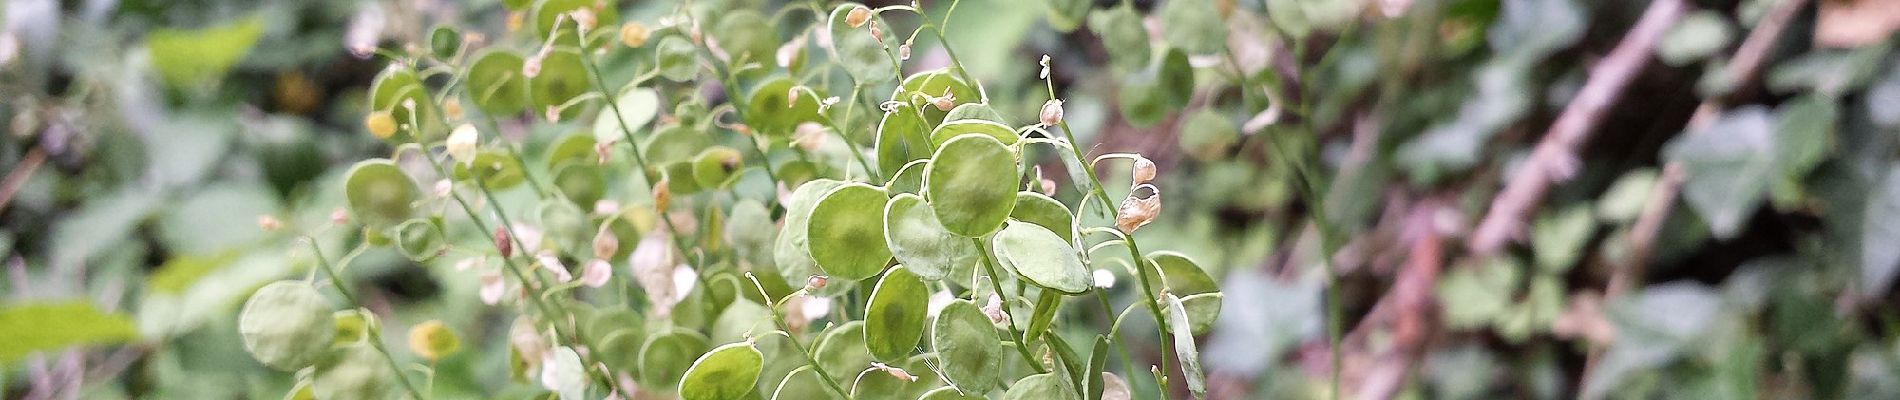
[
  {"x": 444, "y": 42},
  {"x": 419, "y": 240},
  {"x": 286, "y": 325},
  {"x": 495, "y": 83},
  {"x": 356, "y": 372},
  {"x": 379, "y": 193},
  {"x": 352, "y": 326}
]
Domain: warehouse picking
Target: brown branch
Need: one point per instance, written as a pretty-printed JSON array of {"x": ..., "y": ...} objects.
[
  {"x": 1406, "y": 309},
  {"x": 1554, "y": 159},
  {"x": 1662, "y": 197},
  {"x": 17, "y": 177}
]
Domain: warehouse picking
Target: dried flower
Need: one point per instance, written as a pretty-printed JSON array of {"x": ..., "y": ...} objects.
[
  {"x": 605, "y": 242},
  {"x": 634, "y": 34},
  {"x": 339, "y": 216},
  {"x": 816, "y": 282},
  {"x": 532, "y": 67},
  {"x": 662, "y": 194},
  {"x": 899, "y": 373},
  {"x": 1138, "y": 210},
  {"x": 857, "y": 17},
  {"x": 583, "y": 17},
  {"x": 1143, "y": 171},
  {"x": 462, "y": 143},
  {"x": 903, "y": 52},
  {"x": 1051, "y": 112},
  {"x": 1044, "y": 75},
  {"x": 945, "y": 102},
  {"x": 452, "y": 108},
  {"x": 502, "y": 243}
]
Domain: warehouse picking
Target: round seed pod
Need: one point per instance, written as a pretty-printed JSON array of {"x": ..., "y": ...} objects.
[
  {"x": 286, "y": 325},
  {"x": 352, "y": 373}
]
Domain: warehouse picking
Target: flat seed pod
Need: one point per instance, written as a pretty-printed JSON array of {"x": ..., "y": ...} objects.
[
  {"x": 1207, "y": 135},
  {"x": 674, "y": 143},
  {"x": 495, "y": 83},
  {"x": 546, "y": 11},
  {"x": 953, "y": 129},
  {"x": 444, "y": 42},
  {"x": 792, "y": 250},
  {"x": 355, "y": 372},
  {"x": 1042, "y": 258},
  {"x": 624, "y": 232},
  {"x": 567, "y": 227},
  {"x": 396, "y": 86},
  {"x": 725, "y": 373},
  {"x": 841, "y": 351},
  {"x": 640, "y": 105},
  {"x": 680, "y": 178},
  {"x": 582, "y": 183},
  {"x": 562, "y": 78},
  {"x": 1040, "y": 386},
  {"x": 677, "y": 59},
  {"x": 846, "y": 232},
  {"x": 717, "y": 166},
  {"x": 572, "y": 148},
  {"x": 948, "y": 393},
  {"x": 609, "y": 321},
  {"x": 919, "y": 242},
  {"x": 286, "y": 325},
  {"x": 620, "y": 350},
  {"x": 747, "y": 36},
  {"x": 494, "y": 168},
  {"x": 419, "y": 240},
  {"x": 1042, "y": 210},
  {"x": 909, "y": 179},
  {"x": 966, "y": 344},
  {"x": 378, "y": 193},
  {"x": 1123, "y": 35},
  {"x": 971, "y": 185},
  {"x": 894, "y": 317},
  {"x": 867, "y": 61},
  {"x": 665, "y": 357},
  {"x": 901, "y": 138},
  {"x": 975, "y": 111},
  {"x": 1194, "y": 26},
  {"x": 920, "y": 87},
  {"x": 1181, "y": 276},
  {"x": 771, "y": 112},
  {"x": 802, "y": 384},
  {"x": 351, "y": 326}
]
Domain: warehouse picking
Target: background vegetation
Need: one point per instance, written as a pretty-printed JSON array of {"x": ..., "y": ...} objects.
[{"x": 1398, "y": 198}]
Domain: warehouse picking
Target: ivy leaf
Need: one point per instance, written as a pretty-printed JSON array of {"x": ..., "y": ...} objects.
[
  {"x": 1653, "y": 328},
  {"x": 1804, "y": 135},
  {"x": 1728, "y": 166},
  {"x": 1559, "y": 237},
  {"x": 1474, "y": 296},
  {"x": 34, "y": 327}
]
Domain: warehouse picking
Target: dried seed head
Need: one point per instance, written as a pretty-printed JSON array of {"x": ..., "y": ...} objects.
[
  {"x": 1138, "y": 210},
  {"x": 502, "y": 243},
  {"x": 899, "y": 373},
  {"x": 380, "y": 124},
  {"x": 1051, "y": 112},
  {"x": 945, "y": 102},
  {"x": 606, "y": 243},
  {"x": 878, "y": 34},
  {"x": 269, "y": 223},
  {"x": 553, "y": 114},
  {"x": 857, "y": 17},
  {"x": 661, "y": 194},
  {"x": 903, "y": 52},
  {"x": 462, "y": 143},
  {"x": 514, "y": 20},
  {"x": 634, "y": 34},
  {"x": 1143, "y": 171},
  {"x": 816, "y": 282}
]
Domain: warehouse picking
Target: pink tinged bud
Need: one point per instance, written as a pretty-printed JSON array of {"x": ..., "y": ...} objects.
[
  {"x": 339, "y": 216},
  {"x": 269, "y": 223},
  {"x": 994, "y": 310},
  {"x": 492, "y": 287},
  {"x": 553, "y": 265},
  {"x": 532, "y": 68},
  {"x": 816, "y": 282},
  {"x": 502, "y": 242},
  {"x": 606, "y": 243},
  {"x": 596, "y": 273},
  {"x": 1051, "y": 112}
]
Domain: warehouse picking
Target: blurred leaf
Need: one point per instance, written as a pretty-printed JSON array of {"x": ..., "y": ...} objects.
[
  {"x": 99, "y": 224},
  {"x": 1728, "y": 167},
  {"x": 1828, "y": 72},
  {"x": 179, "y": 273},
  {"x": 1558, "y": 237},
  {"x": 34, "y": 327},
  {"x": 1475, "y": 295},
  {"x": 1196, "y": 27},
  {"x": 1625, "y": 199},
  {"x": 1804, "y": 137},
  {"x": 1653, "y": 328},
  {"x": 217, "y": 218},
  {"x": 1536, "y": 27},
  {"x": 1694, "y": 37},
  {"x": 187, "y": 58},
  {"x": 1879, "y": 257}
]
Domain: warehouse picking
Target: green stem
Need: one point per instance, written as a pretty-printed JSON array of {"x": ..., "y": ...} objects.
[
  {"x": 1022, "y": 346},
  {"x": 779, "y": 319},
  {"x": 375, "y": 336},
  {"x": 1154, "y": 309}
]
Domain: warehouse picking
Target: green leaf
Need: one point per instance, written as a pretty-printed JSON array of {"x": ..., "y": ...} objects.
[
  {"x": 1879, "y": 258},
  {"x": 1475, "y": 295},
  {"x": 1194, "y": 26},
  {"x": 27, "y": 328},
  {"x": 847, "y": 232},
  {"x": 919, "y": 242},
  {"x": 1625, "y": 199},
  {"x": 771, "y": 112},
  {"x": 953, "y": 129},
  {"x": 948, "y": 393},
  {"x": 971, "y": 185},
  {"x": 976, "y": 111},
  {"x": 1694, "y": 37},
  {"x": 1066, "y": 15},
  {"x": 792, "y": 250},
  {"x": 967, "y": 345},
  {"x": 640, "y": 104},
  {"x": 747, "y": 36},
  {"x": 1804, "y": 137},
  {"x": 1040, "y": 386},
  {"x": 186, "y": 58},
  {"x": 1184, "y": 347},
  {"x": 1559, "y": 237},
  {"x": 864, "y": 57},
  {"x": 1042, "y": 258},
  {"x": 894, "y": 316},
  {"x": 1728, "y": 167},
  {"x": 725, "y": 373},
  {"x": 1043, "y": 315}
]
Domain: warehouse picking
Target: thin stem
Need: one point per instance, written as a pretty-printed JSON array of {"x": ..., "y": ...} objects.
[
  {"x": 375, "y": 336},
  {"x": 1154, "y": 309},
  {"x": 779, "y": 319},
  {"x": 1022, "y": 346}
]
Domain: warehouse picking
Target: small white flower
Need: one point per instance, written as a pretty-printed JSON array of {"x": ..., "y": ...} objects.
[
  {"x": 814, "y": 307},
  {"x": 442, "y": 187},
  {"x": 492, "y": 287},
  {"x": 530, "y": 238},
  {"x": 463, "y": 142},
  {"x": 995, "y": 310},
  {"x": 471, "y": 263},
  {"x": 606, "y": 207},
  {"x": 553, "y": 264},
  {"x": 561, "y": 372},
  {"x": 596, "y": 273},
  {"x": 1104, "y": 279},
  {"x": 684, "y": 279},
  {"x": 938, "y": 301}
]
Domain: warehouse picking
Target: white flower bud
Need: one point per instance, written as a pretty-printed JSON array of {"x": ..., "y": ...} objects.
[
  {"x": 462, "y": 143},
  {"x": 269, "y": 223},
  {"x": 553, "y": 265},
  {"x": 492, "y": 287},
  {"x": 596, "y": 273},
  {"x": 1104, "y": 279}
]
